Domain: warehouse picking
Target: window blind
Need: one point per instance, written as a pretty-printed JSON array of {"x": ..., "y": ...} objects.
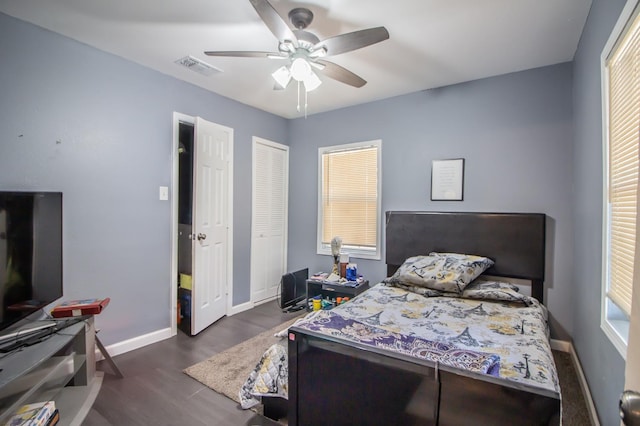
[
  {"x": 350, "y": 196},
  {"x": 624, "y": 131}
]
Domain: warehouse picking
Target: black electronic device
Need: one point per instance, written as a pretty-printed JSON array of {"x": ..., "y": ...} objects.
[
  {"x": 293, "y": 290},
  {"x": 30, "y": 253}
]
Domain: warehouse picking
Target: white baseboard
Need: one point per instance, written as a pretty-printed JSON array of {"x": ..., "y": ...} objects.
[
  {"x": 236, "y": 309},
  {"x": 593, "y": 414},
  {"x": 560, "y": 345},
  {"x": 156, "y": 336},
  {"x": 247, "y": 305},
  {"x": 565, "y": 346},
  {"x": 135, "y": 343}
]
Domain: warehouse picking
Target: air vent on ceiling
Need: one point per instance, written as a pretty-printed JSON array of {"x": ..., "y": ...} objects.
[{"x": 198, "y": 66}]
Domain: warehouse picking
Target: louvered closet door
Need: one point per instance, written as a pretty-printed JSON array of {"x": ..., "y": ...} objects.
[{"x": 269, "y": 218}]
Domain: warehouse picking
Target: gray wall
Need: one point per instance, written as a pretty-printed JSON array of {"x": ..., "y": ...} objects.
[
  {"x": 602, "y": 364},
  {"x": 515, "y": 133},
  {"x": 99, "y": 129}
]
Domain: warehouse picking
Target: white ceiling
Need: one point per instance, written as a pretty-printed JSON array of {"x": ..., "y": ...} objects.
[{"x": 432, "y": 43}]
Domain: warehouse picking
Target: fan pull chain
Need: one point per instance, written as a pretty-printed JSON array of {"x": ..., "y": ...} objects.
[
  {"x": 305, "y": 100},
  {"x": 306, "y": 94}
]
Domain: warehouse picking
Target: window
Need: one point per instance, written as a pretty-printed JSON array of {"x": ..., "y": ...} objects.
[
  {"x": 621, "y": 86},
  {"x": 349, "y": 198}
]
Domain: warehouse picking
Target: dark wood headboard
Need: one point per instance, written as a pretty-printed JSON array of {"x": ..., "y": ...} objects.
[{"x": 514, "y": 241}]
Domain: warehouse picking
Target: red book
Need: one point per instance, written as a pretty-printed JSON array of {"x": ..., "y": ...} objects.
[{"x": 76, "y": 308}]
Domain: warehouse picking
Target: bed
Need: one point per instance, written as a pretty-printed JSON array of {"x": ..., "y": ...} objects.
[{"x": 393, "y": 356}]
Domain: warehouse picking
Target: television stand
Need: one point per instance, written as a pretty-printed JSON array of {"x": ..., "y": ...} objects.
[
  {"x": 29, "y": 340},
  {"x": 32, "y": 333},
  {"x": 25, "y": 331},
  {"x": 60, "y": 368}
]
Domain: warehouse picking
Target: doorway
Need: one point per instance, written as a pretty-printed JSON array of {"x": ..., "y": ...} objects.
[{"x": 201, "y": 223}]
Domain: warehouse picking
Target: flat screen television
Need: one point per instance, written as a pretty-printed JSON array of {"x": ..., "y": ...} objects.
[
  {"x": 293, "y": 290},
  {"x": 30, "y": 253}
]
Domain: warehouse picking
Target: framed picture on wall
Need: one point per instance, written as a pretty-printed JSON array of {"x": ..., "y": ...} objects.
[{"x": 447, "y": 180}]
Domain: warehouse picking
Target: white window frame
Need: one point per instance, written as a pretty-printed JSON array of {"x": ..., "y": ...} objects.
[
  {"x": 613, "y": 322},
  {"x": 354, "y": 252}
]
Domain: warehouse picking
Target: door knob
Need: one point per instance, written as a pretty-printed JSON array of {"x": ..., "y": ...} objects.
[
  {"x": 202, "y": 236},
  {"x": 630, "y": 408}
]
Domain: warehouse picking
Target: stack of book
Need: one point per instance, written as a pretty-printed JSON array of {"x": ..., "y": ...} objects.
[
  {"x": 37, "y": 414},
  {"x": 76, "y": 308}
]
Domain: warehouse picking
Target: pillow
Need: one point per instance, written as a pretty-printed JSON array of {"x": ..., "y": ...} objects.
[
  {"x": 449, "y": 272},
  {"x": 422, "y": 291},
  {"x": 496, "y": 290}
]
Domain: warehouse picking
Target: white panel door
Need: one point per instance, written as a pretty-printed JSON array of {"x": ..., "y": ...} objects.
[
  {"x": 210, "y": 223},
  {"x": 269, "y": 218}
]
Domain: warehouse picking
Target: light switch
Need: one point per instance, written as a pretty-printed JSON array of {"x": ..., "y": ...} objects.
[{"x": 164, "y": 193}]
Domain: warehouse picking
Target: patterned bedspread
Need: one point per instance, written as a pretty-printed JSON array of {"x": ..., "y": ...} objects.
[
  {"x": 331, "y": 323},
  {"x": 505, "y": 339},
  {"x": 270, "y": 377}
]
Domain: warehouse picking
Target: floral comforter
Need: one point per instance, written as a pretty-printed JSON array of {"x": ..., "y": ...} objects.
[{"x": 503, "y": 338}]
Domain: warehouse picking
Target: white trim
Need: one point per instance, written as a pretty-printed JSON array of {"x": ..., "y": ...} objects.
[
  {"x": 623, "y": 19},
  {"x": 277, "y": 145},
  {"x": 610, "y": 331},
  {"x": 567, "y": 347},
  {"x": 136, "y": 343},
  {"x": 229, "y": 285},
  {"x": 263, "y": 301},
  {"x": 240, "y": 308},
  {"x": 360, "y": 254},
  {"x": 593, "y": 414},
  {"x": 560, "y": 345},
  {"x": 605, "y": 325}
]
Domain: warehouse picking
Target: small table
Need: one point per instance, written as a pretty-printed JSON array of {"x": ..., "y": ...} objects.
[{"x": 333, "y": 289}]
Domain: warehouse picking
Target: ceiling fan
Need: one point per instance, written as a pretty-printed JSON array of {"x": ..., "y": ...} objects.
[{"x": 304, "y": 50}]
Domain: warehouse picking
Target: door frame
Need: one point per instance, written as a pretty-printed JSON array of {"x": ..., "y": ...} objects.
[{"x": 173, "y": 298}]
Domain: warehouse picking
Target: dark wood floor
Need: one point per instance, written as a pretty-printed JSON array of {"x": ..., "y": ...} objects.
[{"x": 155, "y": 391}]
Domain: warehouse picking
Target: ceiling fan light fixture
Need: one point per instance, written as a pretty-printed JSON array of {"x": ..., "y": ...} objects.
[
  {"x": 282, "y": 76},
  {"x": 312, "y": 82},
  {"x": 300, "y": 69},
  {"x": 304, "y": 51}
]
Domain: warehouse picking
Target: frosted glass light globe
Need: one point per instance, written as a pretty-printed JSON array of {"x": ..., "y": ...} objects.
[{"x": 300, "y": 69}]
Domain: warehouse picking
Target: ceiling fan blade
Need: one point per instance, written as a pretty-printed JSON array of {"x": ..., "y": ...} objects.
[
  {"x": 341, "y": 74},
  {"x": 242, "y": 54},
  {"x": 352, "y": 41},
  {"x": 274, "y": 21}
]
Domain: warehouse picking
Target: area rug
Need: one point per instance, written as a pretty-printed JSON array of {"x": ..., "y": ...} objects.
[{"x": 227, "y": 371}]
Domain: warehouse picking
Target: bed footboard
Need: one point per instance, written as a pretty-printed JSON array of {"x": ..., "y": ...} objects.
[{"x": 335, "y": 382}]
